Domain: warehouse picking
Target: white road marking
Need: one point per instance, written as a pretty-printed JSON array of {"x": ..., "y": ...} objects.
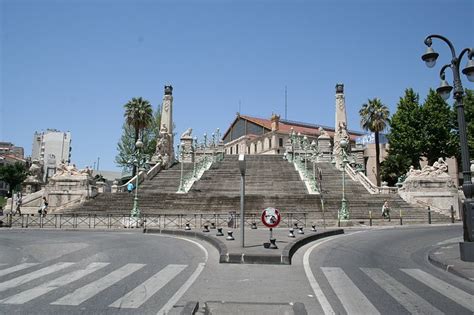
[
  {"x": 352, "y": 299},
  {"x": 451, "y": 241},
  {"x": 457, "y": 295},
  {"x": 32, "y": 276},
  {"x": 412, "y": 302},
  {"x": 15, "y": 268},
  {"x": 178, "y": 294},
  {"x": 86, "y": 292},
  {"x": 147, "y": 289},
  {"x": 323, "y": 301},
  {"x": 33, "y": 293}
]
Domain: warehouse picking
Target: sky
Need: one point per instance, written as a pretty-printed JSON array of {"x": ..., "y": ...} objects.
[{"x": 71, "y": 65}]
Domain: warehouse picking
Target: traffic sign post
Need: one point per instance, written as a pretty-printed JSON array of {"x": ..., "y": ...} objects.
[{"x": 271, "y": 218}]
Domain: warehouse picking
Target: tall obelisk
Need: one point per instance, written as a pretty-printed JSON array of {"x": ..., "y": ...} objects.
[
  {"x": 166, "y": 125},
  {"x": 340, "y": 130}
]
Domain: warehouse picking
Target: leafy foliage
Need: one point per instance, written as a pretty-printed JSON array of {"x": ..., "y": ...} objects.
[
  {"x": 126, "y": 145},
  {"x": 138, "y": 115},
  {"x": 405, "y": 130},
  {"x": 13, "y": 175},
  {"x": 439, "y": 139},
  {"x": 374, "y": 117}
]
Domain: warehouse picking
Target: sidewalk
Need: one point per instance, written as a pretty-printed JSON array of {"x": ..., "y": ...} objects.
[
  {"x": 254, "y": 252},
  {"x": 446, "y": 255}
]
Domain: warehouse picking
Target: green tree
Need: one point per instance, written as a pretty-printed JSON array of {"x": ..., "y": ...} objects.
[
  {"x": 126, "y": 145},
  {"x": 405, "y": 137},
  {"x": 391, "y": 166},
  {"x": 374, "y": 117},
  {"x": 438, "y": 129},
  {"x": 468, "y": 102},
  {"x": 13, "y": 175},
  {"x": 139, "y": 115}
]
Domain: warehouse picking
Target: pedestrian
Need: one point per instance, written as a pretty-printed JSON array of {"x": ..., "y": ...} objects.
[
  {"x": 386, "y": 210},
  {"x": 42, "y": 211},
  {"x": 130, "y": 187},
  {"x": 19, "y": 199}
]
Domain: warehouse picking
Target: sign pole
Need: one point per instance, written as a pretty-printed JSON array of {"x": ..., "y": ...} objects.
[{"x": 242, "y": 168}]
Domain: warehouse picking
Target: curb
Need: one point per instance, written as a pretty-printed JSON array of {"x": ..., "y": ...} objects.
[
  {"x": 242, "y": 258},
  {"x": 449, "y": 268}
]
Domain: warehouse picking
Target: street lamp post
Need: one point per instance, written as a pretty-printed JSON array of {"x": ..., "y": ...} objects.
[
  {"x": 135, "y": 213},
  {"x": 293, "y": 140},
  {"x": 305, "y": 148},
  {"x": 344, "y": 211},
  {"x": 444, "y": 90},
  {"x": 194, "y": 154}
]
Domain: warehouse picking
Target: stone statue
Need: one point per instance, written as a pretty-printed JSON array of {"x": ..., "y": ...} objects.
[
  {"x": 439, "y": 168},
  {"x": 187, "y": 133},
  {"x": 86, "y": 171},
  {"x": 323, "y": 133},
  {"x": 35, "y": 170}
]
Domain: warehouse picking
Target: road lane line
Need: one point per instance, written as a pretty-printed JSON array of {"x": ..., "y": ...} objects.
[
  {"x": 352, "y": 299},
  {"x": 42, "y": 289},
  {"x": 16, "y": 268},
  {"x": 412, "y": 302},
  {"x": 33, "y": 275},
  {"x": 86, "y": 292},
  {"x": 146, "y": 290},
  {"x": 175, "y": 298},
  {"x": 457, "y": 295},
  {"x": 319, "y": 294}
]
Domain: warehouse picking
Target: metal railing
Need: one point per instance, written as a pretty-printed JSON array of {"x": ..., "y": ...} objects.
[{"x": 161, "y": 221}]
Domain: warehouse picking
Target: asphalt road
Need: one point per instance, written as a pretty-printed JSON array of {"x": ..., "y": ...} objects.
[
  {"x": 387, "y": 272},
  {"x": 362, "y": 272},
  {"x": 60, "y": 272}
]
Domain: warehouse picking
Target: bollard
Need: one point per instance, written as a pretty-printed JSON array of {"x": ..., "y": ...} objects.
[
  {"x": 370, "y": 217},
  {"x": 273, "y": 243},
  {"x": 206, "y": 228},
  {"x": 219, "y": 232},
  {"x": 291, "y": 234},
  {"x": 229, "y": 236},
  {"x": 254, "y": 226},
  {"x": 300, "y": 230},
  {"x": 452, "y": 214},
  {"x": 187, "y": 228},
  {"x": 429, "y": 215},
  {"x": 213, "y": 225},
  {"x": 401, "y": 219},
  {"x": 313, "y": 228}
]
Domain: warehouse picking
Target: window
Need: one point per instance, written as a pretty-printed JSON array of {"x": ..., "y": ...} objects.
[
  {"x": 237, "y": 149},
  {"x": 280, "y": 142}
]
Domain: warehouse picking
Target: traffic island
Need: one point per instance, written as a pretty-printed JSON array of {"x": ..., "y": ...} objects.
[{"x": 254, "y": 252}]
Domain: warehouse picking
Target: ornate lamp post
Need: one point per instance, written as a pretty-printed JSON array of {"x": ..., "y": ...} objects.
[
  {"x": 293, "y": 142},
  {"x": 194, "y": 153},
  {"x": 181, "y": 158},
  {"x": 305, "y": 147},
  {"x": 444, "y": 90},
  {"x": 344, "y": 211},
  {"x": 135, "y": 213}
]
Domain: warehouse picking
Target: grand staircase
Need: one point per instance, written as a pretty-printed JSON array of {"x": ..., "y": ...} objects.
[{"x": 270, "y": 181}]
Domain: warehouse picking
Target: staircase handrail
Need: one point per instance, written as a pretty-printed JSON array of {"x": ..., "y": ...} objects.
[
  {"x": 361, "y": 178},
  {"x": 194, "y": 175},
  {"x": 143, "y": 175}
]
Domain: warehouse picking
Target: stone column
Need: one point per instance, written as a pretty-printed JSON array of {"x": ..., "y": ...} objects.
[
  {"x": 324, "y": 147},
  {"x": 167, "y": 120},
  {"x": 340, "y": 130}
]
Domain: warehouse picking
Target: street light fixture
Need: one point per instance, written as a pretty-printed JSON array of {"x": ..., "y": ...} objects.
[
  {"x": 135, "y": 213},
  {"x": 344, "y": 211},
  {"x": 444, "y": 90}
]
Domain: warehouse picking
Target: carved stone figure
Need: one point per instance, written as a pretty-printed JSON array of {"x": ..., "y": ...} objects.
[
  {"x": 439, "y": 168},
  {"x": 323, "y": 133},
  {"x": 187, "y": 133},
  {"x": 35, "y": 170}
]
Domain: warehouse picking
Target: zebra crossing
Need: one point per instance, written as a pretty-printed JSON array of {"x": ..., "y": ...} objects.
[
  {"x": 354, "y": 301},
  {"x": 12, "y": 291}
]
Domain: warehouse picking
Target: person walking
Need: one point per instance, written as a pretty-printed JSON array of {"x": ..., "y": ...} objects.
[
  {"x": 42, "y": 211},
  {"x": 386, "y": 210},
  {"x": 19, "y": 199}
]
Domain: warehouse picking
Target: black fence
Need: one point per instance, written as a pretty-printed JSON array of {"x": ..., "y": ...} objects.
[{"x": 162, "y": 221}]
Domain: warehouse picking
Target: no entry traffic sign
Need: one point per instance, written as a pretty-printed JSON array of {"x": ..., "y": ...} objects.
[{"x": 271, "y": 217}]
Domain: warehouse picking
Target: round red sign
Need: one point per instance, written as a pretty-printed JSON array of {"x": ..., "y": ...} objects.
[{"x": 271, "y": 217}]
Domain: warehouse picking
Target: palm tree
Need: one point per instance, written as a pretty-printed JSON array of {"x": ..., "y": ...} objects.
[
  {"x": 374, "y": 117},
  {"x": 139, "y": 115}
]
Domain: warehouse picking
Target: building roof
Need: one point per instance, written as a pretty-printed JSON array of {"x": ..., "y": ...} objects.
[{"x": 285, "y": 126}]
